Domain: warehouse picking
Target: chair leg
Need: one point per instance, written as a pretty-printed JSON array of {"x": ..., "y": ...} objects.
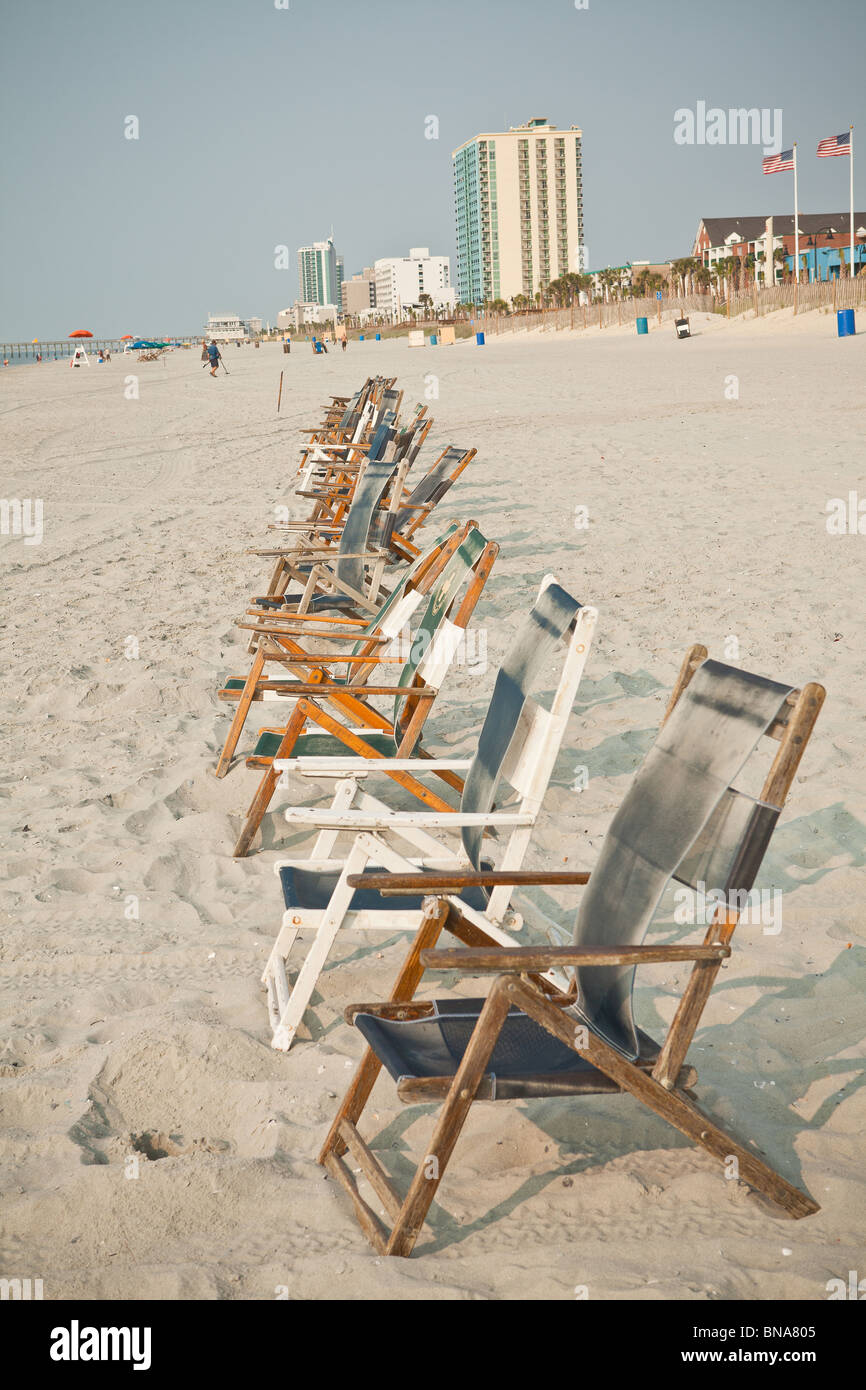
[
  {"x": 671, "y": 1105},
  {"x": 689, "y": 1119},
  {"x": 314, "y": 962},
  {"x": 452, "y": 1118},
  {"x": 433, "y": 919},
  {"x": 262, "y": 799},
  {"x": 241, "y": 713}
]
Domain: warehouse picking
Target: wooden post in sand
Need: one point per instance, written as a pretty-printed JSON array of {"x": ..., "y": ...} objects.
[
  {"x": 757, "y": 309},
  {"x": 584, "y": 316},
  {"x": 280, "y": 393},
  {"x": 600, "y": 324},
  {"x": 834, "y": 292}
]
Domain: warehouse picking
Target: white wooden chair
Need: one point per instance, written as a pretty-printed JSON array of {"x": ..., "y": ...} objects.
[{"x": 518, "y": 746}]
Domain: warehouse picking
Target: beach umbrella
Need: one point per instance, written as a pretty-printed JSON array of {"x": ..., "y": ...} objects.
[
  {"x": 36, "y": 340},
  {"x": 81, "y": 333},
  {"x": 127, "y": 337}
]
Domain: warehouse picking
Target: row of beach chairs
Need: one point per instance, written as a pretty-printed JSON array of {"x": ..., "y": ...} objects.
[{"x": 354, "y": 636}]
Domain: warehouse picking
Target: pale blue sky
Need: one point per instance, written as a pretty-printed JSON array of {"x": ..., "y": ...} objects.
[{"x": 236, "y": 155}]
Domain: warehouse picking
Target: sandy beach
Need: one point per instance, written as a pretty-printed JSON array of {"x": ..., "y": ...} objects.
[{"x": 153, "y": 1145}]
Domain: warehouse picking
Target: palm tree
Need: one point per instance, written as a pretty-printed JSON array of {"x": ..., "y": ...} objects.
[{"x": 427, "y": 301}]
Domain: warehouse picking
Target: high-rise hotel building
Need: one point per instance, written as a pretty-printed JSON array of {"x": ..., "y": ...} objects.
[
  {"x": 320, "y": 273},
  {"x": 519, "y": 201}
]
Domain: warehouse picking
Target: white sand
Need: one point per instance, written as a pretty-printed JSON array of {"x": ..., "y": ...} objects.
[{"x": 707, "y": 519}]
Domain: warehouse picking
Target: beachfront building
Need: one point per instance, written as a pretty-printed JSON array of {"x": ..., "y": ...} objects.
[
  {"x": 320, "y": 273},
  {"x": 822, "y": 236},
  {"x": 303, "y": 314},
  {"x": 224, "y": 328},
  {"x": 402, "y": 280},
  {"x": 519, "y": 207},
  {"x": 359, "y": 293}
]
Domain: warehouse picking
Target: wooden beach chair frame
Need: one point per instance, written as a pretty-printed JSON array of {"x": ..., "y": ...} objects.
[
  {"x": 350, "y": 699},
  {"x": 659, "y": 1077},
  {"x": 526, "y": 768},
  {"x": 278, "y": 637}
]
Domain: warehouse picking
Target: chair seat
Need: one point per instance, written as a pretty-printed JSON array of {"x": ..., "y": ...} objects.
[
  {"x": 526, "y": 1061},
  {"x": 341, "y": 603},
  {"x": 321, "y": 746},
  {"x": 309, "y": 888}
]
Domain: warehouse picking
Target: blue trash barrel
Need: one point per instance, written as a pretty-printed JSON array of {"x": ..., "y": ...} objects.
[
  {"x": 845, "y": 323},
  {"x": 360, "y": 337},
  {"x": 642, "y": 326},
  {"x": 378, "y": 337},
  {"x": 433, "y": 340},
  {"x": 479, "y": 339}
]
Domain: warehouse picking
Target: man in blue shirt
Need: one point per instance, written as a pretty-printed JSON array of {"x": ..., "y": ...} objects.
[{"x": 213, "y": 353}]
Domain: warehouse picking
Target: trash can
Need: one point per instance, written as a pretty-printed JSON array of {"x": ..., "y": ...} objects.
[
  {"x": 360, "y": 337},
  {"x": 479, "y": 339},
  {"x": 642, "y": 326},
  {"x": 845, "y": 323},
  {"x": 433, "y": 340},
  {"x": 378, "y": 337}
]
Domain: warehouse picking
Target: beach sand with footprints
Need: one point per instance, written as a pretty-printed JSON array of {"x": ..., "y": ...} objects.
[{"x": 153, "y": 1145}]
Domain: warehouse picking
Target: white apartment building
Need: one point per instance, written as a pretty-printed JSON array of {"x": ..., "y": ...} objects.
[
  {"x": 401, "y": 280},
  {"x": 301, "y": 314},
  {"x": 224, "y": 328}
]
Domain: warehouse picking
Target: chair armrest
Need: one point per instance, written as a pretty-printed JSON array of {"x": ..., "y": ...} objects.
[
  {"x": 359, "y": 692},
  {"x": 514, "y": 960},
  {"x": 453, "y": 882},
  {"x": 290, "y": 616},
  {"x": 353, "y": 763}
]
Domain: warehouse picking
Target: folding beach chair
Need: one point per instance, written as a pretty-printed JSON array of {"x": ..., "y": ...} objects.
[
  {"x": 397, "y": 529},
  {"x": 432, "y": 642},
  {"x": 337, "y": 495},
  {"x": 394, "y": 523},
  {"x": 278, "y": 634},
  {"x": 682, "y": 818},
  {"x": 351, "y": 571},
  {"x": 518, "y": 745}
]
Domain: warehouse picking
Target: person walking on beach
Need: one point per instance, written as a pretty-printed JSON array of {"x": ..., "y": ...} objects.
[
  {"x": 203, "y": 350},
  {"x": 215, "y": 357}
]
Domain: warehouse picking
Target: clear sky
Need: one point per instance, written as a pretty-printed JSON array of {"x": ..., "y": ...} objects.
[{"x": 262, "y": 126}]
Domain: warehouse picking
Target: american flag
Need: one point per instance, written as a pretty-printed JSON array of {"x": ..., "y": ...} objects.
[
  {"x": 836, "y": 144},
  {"x": 775, "y": 163}
]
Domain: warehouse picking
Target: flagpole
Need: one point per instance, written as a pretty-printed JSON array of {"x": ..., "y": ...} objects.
[
  {"x": 796, "y": 223},
  {"x": 851, "y": 175}
]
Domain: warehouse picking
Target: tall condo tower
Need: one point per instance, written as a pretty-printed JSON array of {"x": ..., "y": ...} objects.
[
  {"x": 519, "y": 207},
  {"x": 320, "y": 273}
]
